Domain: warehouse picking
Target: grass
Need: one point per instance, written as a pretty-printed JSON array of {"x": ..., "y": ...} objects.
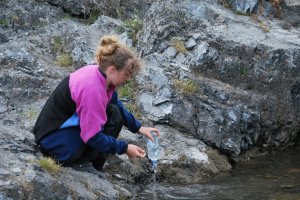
[
  {"x": 134, "y": 25},
  {"x": 244, "y": 70},
  {"x": 128, "y": 90},
  {"x": 186, "y": 87},
  {"x": 65, "y": 60},
  {"x": 57, "y": 44},
  {"x": 4, "y": 22},
  {"x": 94, "y": 14},
  {"x": 32, "y": 114},
  {"x": 49, "y": 165},
  {"x": 179, "y": 45}
]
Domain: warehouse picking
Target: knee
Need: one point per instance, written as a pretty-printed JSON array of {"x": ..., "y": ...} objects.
[{"x": 114, "y": 115}]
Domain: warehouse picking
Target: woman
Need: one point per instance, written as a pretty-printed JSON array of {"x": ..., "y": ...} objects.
[{"x": 83, "y": 116}]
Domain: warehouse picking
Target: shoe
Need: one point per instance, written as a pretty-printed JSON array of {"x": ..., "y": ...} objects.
[{"x": 89, "y": 168}]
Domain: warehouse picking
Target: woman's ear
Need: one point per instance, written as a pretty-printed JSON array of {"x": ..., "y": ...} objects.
[{"x": 110, "y": 69}]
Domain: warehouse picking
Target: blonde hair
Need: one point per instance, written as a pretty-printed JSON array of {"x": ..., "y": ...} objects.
[{"x": 112, "y": 53}]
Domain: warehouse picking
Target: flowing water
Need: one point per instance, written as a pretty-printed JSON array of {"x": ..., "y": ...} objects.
[{"x": 275, "y": 177}]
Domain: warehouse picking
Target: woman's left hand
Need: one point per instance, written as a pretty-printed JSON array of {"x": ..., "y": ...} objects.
[{"x": 147, "y": 132}]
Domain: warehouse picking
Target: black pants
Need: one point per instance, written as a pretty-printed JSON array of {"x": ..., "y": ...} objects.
[{"x": 112, "y": 127}]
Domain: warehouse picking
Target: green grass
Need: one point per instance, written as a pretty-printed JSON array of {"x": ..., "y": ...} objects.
[
  {"x": 32, "y": 114},
  {"x": 49, "y": 165},
  {"x": 134, "y": 25},
  {"x": 186, "y": 87},
  {"x": 4, "y": 22},
  {"x": 244, "y": 70},
  {"x": 128, "y": 90},
  {"x": 94, "y": 14},
  {"x": 57, "y": 44}
]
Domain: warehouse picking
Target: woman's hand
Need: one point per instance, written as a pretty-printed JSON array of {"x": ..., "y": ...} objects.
[
  {"x": 147, "y": 132},
  {"x": 134, "y": 151}
]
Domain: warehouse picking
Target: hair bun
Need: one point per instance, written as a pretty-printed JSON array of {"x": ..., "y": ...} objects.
[
  {"x": 107, "y": 40},
  {"x": 108, "y": 45}
]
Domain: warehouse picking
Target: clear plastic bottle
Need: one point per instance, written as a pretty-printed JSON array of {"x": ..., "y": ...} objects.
[{"x": 153, "y": 150}]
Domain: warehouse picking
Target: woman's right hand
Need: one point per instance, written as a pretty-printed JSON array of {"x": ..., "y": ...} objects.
[{"x": 134, "y": 151}]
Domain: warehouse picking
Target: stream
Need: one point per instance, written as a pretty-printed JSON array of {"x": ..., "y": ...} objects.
[{"x": 274, "y": 177}]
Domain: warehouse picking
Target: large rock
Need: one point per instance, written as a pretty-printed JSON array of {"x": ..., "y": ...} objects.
[{"x": 248, "y": 76}]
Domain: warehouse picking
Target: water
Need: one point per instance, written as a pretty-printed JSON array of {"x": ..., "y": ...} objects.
[
  {"x": 276, "y": 177},
  {"x": 153, "y": 151}
]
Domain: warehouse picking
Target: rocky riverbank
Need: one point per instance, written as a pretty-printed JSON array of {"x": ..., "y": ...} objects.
[{"x": 220, "y": 83}]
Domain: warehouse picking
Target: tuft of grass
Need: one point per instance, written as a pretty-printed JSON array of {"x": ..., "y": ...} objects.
[
  {"x": 134, "y": 25},
  {"x": 65, "y": 60},
  {"x": 93, "y": 16},
  {"x": 244, "y": 70},
  {"x": 179, "y": 45},
  {"x": 57, "y": 44},
  {"x": 49, "y": 165},
  {"x": 264, "y": 27},
  {"x": 4, "y": 22},
  {"x": 186, "y": 87},
  {"x": 128, "y": 90},
  {"x": 31, "y": 114}
]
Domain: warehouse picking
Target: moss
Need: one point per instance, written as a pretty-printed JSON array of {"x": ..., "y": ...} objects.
[
  {"x": 186, "y": 87},
  {"x": 49, "y": 165},
  {"x": 65, "y": 60}
]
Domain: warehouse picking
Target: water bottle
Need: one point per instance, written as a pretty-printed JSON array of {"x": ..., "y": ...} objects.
[{"x": 153, "y": 150}]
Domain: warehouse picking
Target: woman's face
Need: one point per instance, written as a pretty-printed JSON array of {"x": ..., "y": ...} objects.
[{"x": 119, "y": 77}]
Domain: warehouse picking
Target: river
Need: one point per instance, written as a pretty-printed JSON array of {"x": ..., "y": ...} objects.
[{"x": 274, "y": 177}]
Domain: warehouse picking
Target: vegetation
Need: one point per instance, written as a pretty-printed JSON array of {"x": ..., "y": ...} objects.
[
  {"x": 244, "y": 70},
  {"x": 179, "y": 45},
  {"x": 49, "y": 165},
  {"x": 128, "y": 92},
  {"x": 65, "y": 60},
  {"x": 57, "y": 44},
  {"x": 134, "y": 25},
  {"x": 94, "y": 14},
  {"x": 31, "y": 113},
  {"x": 4, "y": 22},
  {"x": 186, "y": 87}
]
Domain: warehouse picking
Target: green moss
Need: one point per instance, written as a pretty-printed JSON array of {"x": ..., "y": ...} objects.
[
  {"x": 186, "y": 87},
  {"x": 49, "y": 165}
]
